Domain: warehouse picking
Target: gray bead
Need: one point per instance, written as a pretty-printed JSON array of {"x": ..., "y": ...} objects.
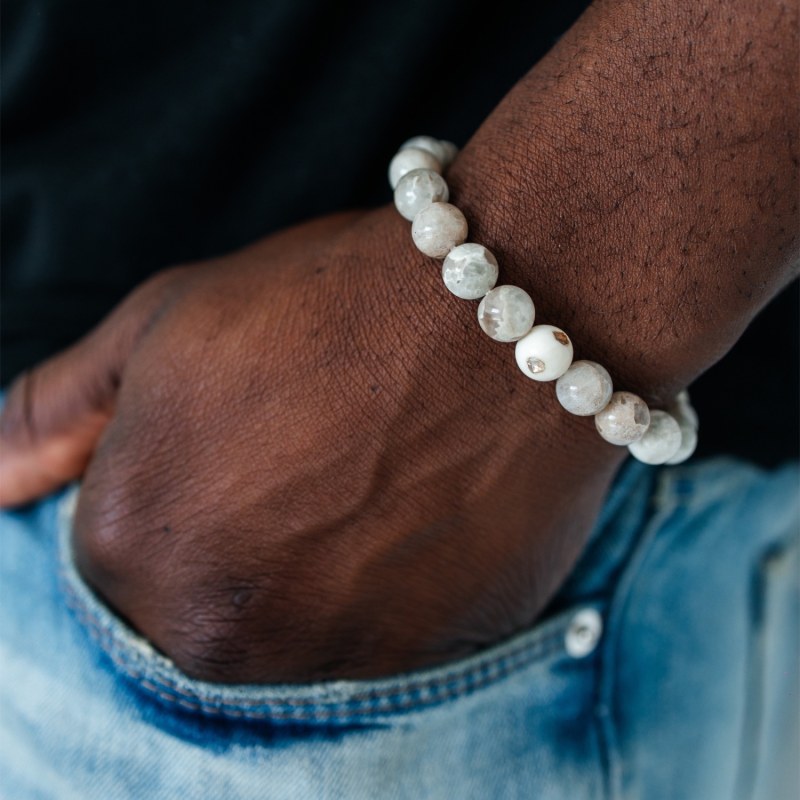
[
  {"x": 417, "y": 189},
  {"x": 408, "y": 159},
  {"x": 584, "y": 389},
  {"x": 438, "y": 228},
  {"x": 470, "y": 271},
  {"x": 506, "y": 313},
  {"x": 661, "y": 440},
  {"x": 624, "y": 419}
]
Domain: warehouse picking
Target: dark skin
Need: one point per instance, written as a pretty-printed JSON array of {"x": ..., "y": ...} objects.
[{"x": 305, "y": 461}]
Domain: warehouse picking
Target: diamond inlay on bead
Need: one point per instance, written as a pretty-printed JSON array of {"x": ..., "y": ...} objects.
[
  {"x": 561, "y": 337},
  {"x": 536, "y": 365}
]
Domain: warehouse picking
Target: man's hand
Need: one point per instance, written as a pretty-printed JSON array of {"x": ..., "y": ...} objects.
[{"x": 305, "y": 460}]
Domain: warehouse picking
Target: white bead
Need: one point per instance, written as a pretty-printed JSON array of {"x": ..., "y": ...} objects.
[
  {"x": 450, "y": 152},
  {"x": 682, "y": 407},
  {"x": 661, "y": 440},
  {"x": 584, "y": 389},
  {"x": 688, "y": 443},
  {"x": 545, "y": 353},
  {"x": 417, "y": 190},
  {"x": 506, "y": 313},
  {"x": 442, "y": 151},
  {"x": 408, "y": 159},
  {"x": 469, "y": 271},
  {"x": 439, "y": 228},
  {"x": 624, "y": 419},
  {"x": 686, "y": 416}
]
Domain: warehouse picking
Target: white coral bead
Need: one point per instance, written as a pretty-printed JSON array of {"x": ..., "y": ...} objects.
[{"x": 545, "y": 353}]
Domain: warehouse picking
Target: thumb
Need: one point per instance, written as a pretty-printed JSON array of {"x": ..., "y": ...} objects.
[{"x": 55, "y": 413}]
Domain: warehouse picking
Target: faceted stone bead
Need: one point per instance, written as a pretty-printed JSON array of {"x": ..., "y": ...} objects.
[
  {"x": 545, "y": 353},
  {"x": 624, "y": 419},
  {"x": 443, "y": 152},
  {"x": 660, "y": 442},
  {"x": 584, "y": 389},
  {"x": 469, "y": 271},
  {"x": 506, "y": 313},
  {"x": 437, "y": 229},
  {"x": 417, "y": 190},
  {"x": 408, "y": 159}
]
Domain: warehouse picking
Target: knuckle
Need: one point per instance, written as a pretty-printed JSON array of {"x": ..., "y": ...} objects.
[
  {"x": 145, "y": 305},
  {"x": 160, "y": 282},
  {"x": 108, "y": 543},
  {"x": 157, "y": 289},
  {"x": 208, "y": 644},
  {"x": 235, "y": 629}
]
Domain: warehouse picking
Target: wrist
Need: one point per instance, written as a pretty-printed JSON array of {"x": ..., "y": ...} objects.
[
  {"x": 579, "y": 280},
  {"x": 447, "y": 360}
]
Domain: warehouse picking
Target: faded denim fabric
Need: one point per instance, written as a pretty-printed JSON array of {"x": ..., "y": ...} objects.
[{"x": 667, "y": 668}]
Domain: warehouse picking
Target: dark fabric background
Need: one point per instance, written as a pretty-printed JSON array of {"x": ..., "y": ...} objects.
[{"x": 137, "y": 135}]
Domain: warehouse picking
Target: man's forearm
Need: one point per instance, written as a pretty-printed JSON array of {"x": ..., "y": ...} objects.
[{"x": 641, "y": 181}]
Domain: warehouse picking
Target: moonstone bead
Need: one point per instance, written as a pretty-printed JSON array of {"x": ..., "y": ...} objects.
[
  {"x": 682, "y": 407},
  {"x": 584, "y": 389},
  {"x": 417, "y": 190},
  {"x": 506, "y": 313},
  {"x": 443, "y": 152},
  {"x": 469, "y": 271},
  {"x": 408, "y": 159},
  {"x": 624, "y": 419},
  {"x": 686, "y": 416},
  {"x": 688, "y": 443},
  {"x": 660, "y": 441},
  {"x": 439, "y": 228},
  {"x": 450, "y": 152},
  {"x": 545, "y": 353}
]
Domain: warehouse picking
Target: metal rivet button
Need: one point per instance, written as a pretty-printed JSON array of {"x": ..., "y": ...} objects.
[{"x": 584, "y": 633}]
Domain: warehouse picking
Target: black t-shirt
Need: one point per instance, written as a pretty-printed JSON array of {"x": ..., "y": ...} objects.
[{"x": 138, "y": 135}]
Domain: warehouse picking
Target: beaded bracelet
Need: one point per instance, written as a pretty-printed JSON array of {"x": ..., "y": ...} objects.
[{"x": 506, "y": 313}]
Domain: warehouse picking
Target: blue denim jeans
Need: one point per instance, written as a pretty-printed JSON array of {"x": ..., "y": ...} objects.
[{"x": 667, "y": 668}]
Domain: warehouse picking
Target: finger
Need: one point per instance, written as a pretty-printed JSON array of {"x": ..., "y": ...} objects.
[{"x": 56, "y": 412}]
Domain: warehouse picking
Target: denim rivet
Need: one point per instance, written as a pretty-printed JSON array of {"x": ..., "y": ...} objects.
[{"x": 583, "y": 633}]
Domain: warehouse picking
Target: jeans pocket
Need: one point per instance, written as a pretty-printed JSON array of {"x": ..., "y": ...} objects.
[{"x": 569, "y": 637}]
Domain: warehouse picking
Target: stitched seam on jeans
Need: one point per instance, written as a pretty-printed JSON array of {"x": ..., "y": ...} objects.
[
  {"x": 373, "y": 702},
  {"x": 346, "y": 709},
  {"x": 370, "y": 704},
  {"x": 419, "y": 693}
]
